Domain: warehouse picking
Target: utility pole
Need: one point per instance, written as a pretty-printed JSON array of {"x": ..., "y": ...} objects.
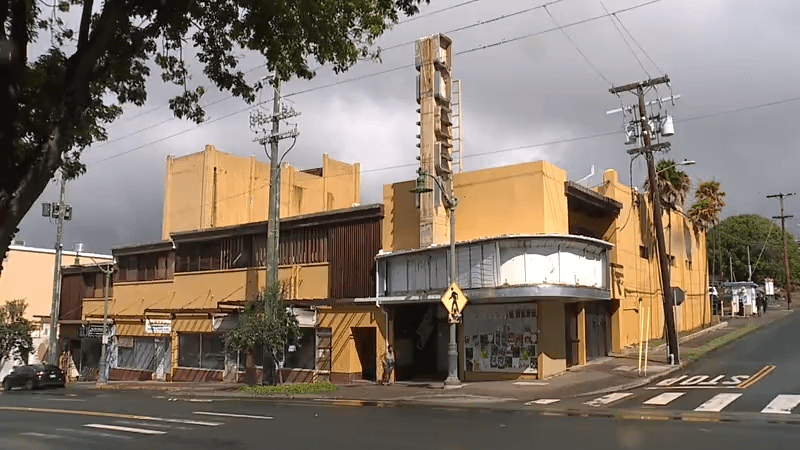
[
  {"x": 647, "y": 150},
  {"x": 61, "y": 212},
  {"x": 786, "y": 266},
  {"x": 272, "y": 136},
  {"x": 749, "y": 267}
]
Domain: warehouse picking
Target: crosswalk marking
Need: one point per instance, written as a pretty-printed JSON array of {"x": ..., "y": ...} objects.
[
  {"x": 717, "y": 403},
  {"x": 103, "y": 426},
  {"x": 240, "y": 416},
  {"x": 782, "y": 404},
  {"x": 665, "y": 398},
  {"x": 610, "y": 398}
]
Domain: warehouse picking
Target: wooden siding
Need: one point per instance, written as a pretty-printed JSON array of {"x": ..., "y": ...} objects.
[
  {"x": 347, "y": 240},
  {"x": 72, "y": 294},
  {"x": 353, "y": 247}
]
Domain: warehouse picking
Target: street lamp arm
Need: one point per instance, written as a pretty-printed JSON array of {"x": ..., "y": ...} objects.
[
  {"x": 685, "y": 162},
  {"x": 451, "y": 201},
  {"x": 99, "y": 266}
]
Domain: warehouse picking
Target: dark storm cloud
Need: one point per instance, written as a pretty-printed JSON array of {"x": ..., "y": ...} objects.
[{"x": 721, "y": 56}]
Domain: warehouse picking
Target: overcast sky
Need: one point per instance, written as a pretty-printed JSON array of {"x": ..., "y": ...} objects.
[{"x": 524, "y": 100}]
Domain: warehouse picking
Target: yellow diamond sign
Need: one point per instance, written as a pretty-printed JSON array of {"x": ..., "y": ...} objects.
[{"x": 454, "y": 299}]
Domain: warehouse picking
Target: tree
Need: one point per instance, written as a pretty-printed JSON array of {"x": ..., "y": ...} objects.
[
  {"x": 15, "y": 331},
  {"x": 264, "y": 323},
  {"x": 57, "y": 104},
  {"x": 736, "y": 233},
  {"x": 704, "y": 213},
  {"x": 673, "y": 184}
]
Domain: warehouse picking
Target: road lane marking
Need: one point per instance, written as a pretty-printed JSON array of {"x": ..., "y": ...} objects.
[
  {"x": 149, "y": 424},
  {"x": 93, "y": 433},
  {"x": 543, "y": 401},
  {"x": 239, "y": 416},
  {"x": 607, "y": 399},
  {"x": 758, "y": 376},
  {"x": 701, "y": 381},
  {"x": 531, "y": 383},
  {"x": 782, "y": 404},
  {"x": 41, "y": 435},
  {"x": 664, "y": 399},
  {"x": 717, "y": 403},
  {"x": 81, "y": 412},
  {"x": 103, "y": 426}
]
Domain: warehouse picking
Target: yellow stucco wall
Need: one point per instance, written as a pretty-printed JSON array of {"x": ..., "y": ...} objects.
[
  {"x": 521, "y": 198},
  {"x": 28, "y": 274},
  {"x": 530, "y": 198},
  {"x": 206, "y": 289},
  {"x": 341, "y": 321},
  {"x": 636, "y": 284},
  {"x": 194, "y": 198}
]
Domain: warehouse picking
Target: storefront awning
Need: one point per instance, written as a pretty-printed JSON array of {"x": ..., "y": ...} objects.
[{"x": 504, "y": 294}]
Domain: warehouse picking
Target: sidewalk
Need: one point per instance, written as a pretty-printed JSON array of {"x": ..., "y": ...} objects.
[{"x": 603, "y": 375}]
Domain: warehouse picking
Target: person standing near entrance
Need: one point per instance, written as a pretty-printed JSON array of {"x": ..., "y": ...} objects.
[{"x": 388, "y": 366}]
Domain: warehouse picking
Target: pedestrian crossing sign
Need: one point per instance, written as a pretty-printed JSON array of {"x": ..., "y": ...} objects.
[{"x": 454, "y": 300}]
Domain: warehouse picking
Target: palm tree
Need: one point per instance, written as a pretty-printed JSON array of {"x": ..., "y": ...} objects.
[
  {"x": 709, "y": 202},
  {"x": 704, "y": 212},
  {"x": 673, "y": 184}
]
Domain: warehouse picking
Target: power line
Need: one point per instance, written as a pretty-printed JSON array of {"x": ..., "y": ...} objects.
[
  {"x": 432, "y": 13},
  {"x": 566, "y": 35},
  {"x": 383, "y": 72},
  {"x": 636, "y": 42},
  {"x": 480, "y": 23},
  {"x": 628, "y": 44}
]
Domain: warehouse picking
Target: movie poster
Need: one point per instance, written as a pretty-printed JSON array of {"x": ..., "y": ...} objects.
[{"x": 501, "y": 338}]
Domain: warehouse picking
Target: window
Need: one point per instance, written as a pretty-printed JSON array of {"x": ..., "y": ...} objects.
[
  {"x": 689, "y": 264},
  {"x": 644, "y": 252},
  {"x": 300, "y": 353},
  {"x": 142, "y": 355},
  {"x": 201, "y": 350}
]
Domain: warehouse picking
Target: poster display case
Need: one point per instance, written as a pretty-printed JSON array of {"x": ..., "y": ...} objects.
[{"x": 501, "y": 338}]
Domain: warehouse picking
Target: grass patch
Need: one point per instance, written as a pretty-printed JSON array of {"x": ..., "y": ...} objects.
[
  {"x": 295, "y": 388},
  {"x": 696, "y": 352}
]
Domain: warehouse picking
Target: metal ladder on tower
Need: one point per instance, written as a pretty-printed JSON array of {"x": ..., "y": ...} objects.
[{"x": 458, "y": 139}]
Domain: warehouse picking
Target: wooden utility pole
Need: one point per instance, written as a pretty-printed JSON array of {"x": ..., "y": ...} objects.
[
  {"x": 786, "y": 266},
  {"x": 647, "y": 150},
  {"x": 267, "y": 129}
]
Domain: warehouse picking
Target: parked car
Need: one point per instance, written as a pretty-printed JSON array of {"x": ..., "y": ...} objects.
[{"x": 34, "y": 376}]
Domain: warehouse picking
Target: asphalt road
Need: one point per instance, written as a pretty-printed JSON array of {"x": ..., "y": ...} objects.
[
  {"x": 86, "y": 419},
  {"x": 758, "y": 375}
]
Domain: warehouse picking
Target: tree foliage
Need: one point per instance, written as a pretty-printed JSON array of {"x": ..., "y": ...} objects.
[
  {"x": 736, "y": 233},
  {"x": 15, "y": 331},
  {"x": 709, "y": 201},
  {"x": 57, "y": 103},
  {"x": 265, "y": 323},
  {"x": 673, "y": 184}
]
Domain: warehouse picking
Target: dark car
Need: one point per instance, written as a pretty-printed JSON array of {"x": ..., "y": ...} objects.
[{"x": 34, "y": 376}]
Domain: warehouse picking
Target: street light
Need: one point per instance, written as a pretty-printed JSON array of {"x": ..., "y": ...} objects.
[
  {"x": 103, "y": 378},
  {"x": 685, "y": 162},
  {"x": 451, "y": 201}
]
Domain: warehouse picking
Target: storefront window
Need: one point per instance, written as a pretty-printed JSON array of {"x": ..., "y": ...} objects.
[
  {"x": 137, "y": 353},
  {"x": 501, "y": 338},
  {"x": 300, "y": 353},
  {"x": 201, "y": 350}
]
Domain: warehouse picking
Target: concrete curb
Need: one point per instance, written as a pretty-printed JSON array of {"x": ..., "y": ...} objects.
[
  {"x": 634, "y": 384},
  {"x": 686, "y": 338}
]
